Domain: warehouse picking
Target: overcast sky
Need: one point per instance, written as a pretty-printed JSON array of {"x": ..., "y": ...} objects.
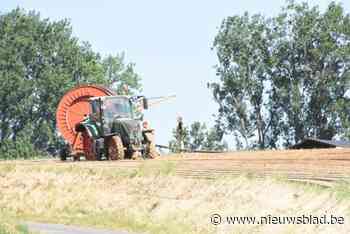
[{"x": 170, "y": 42}]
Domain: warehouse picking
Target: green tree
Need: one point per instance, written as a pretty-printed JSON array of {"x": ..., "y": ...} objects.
[
  {"x": 180, "y": 142},
  {"x": 213, "y": 141},
  {"x": 284, "y": 78},
  {"x": 118, "y": 74},
  {"x": 39, "y": 61},
  {"x": 243, "y": 48},
  {"x": 198, "y": 137},
  {"x": 312, "y": 74}
]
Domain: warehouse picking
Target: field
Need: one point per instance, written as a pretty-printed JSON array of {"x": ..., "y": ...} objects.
[{"x": 180, "y": 193}]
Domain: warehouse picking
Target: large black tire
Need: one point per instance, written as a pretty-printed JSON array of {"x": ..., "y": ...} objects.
[{"x": 115, "y": 148}]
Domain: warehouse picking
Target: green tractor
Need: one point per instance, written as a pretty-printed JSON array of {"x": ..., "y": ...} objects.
[{"x": 97, "y": 124}]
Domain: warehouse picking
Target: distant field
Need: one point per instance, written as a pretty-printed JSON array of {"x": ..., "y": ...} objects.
[
  {"x": 322, "y": 166},
  {"x": 154, "y": 196}
]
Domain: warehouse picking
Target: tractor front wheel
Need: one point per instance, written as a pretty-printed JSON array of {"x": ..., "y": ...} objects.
[{"x": 115, "y": 148}]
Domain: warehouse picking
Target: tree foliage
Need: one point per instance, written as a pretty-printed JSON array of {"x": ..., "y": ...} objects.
[
  {"x": 284, "y": 78},
  {"x": 117, "y": 74},
  {"x": 197, "y": 137},
  {"x": 39, "y": 61}
]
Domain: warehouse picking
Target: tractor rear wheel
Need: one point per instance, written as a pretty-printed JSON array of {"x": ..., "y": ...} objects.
[{"x": 115, "y": 148}]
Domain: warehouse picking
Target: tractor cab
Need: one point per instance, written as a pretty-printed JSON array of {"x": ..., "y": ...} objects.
[
  {"x": 117, "y": 108},
  {"x": 107, "y": 111}
]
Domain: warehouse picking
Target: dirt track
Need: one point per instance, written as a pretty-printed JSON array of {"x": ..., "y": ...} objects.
[{"x": 322, "y": 166}]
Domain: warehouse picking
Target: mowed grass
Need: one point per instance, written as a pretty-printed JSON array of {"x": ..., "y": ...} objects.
[{"x": 152, "y": 199}]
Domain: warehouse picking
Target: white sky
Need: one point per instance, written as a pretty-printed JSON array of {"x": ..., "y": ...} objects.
[{"x": 170, "y": 42}]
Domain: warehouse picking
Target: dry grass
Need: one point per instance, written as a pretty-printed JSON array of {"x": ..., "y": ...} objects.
[
  {"x": 154, "y": 200},
  {"x": 9, "y": 226}
]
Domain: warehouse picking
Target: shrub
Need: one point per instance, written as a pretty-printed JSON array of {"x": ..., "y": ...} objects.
[{"x": 21, "y": 148}]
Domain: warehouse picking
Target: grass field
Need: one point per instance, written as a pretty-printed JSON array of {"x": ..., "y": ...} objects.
[
  {"x": 155, "y": 200},
  {"x": 9, "y": 226}
]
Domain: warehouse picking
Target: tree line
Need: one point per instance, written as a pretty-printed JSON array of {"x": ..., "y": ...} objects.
[
  {"x": 284, "y": 78},
  {"x": 40, "y": 60}
]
